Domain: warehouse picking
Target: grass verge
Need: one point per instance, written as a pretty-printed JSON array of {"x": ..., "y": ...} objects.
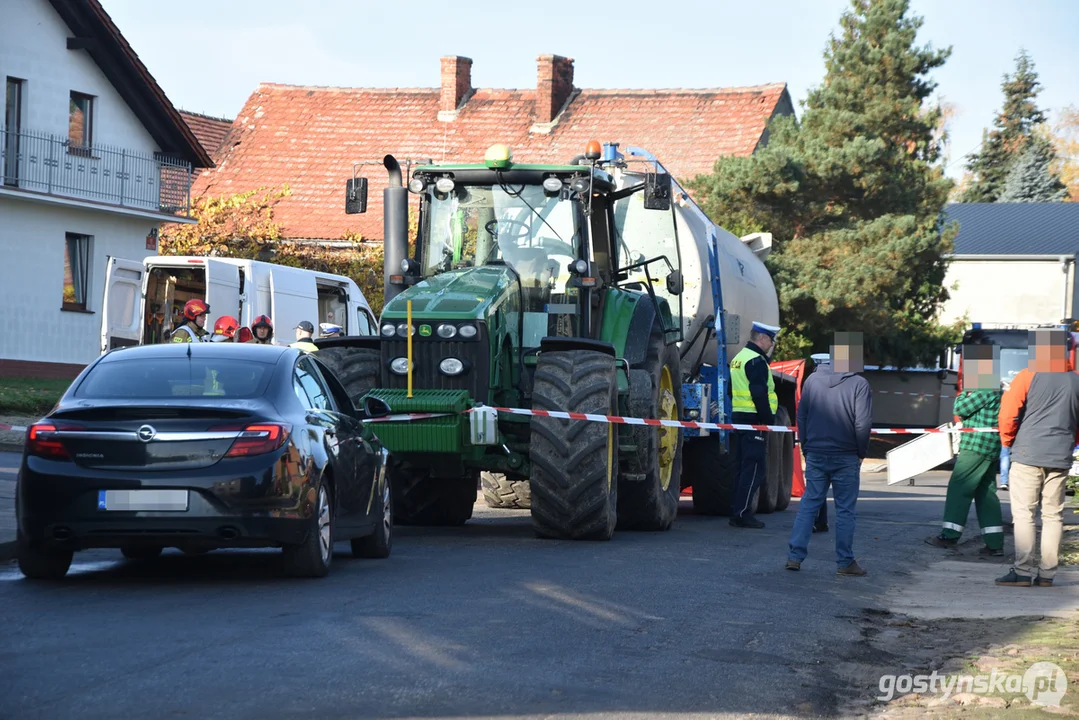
[{"x": 30, "y": 396}]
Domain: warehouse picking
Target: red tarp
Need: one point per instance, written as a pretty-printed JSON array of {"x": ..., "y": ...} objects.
[{"x": 792, "y": 370}]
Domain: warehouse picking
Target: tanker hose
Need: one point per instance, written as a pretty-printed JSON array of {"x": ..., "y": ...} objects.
[{"x": 707, "y": 324}]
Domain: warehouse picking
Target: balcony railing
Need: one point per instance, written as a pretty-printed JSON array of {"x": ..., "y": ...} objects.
[{"x": 118, "y": 176}]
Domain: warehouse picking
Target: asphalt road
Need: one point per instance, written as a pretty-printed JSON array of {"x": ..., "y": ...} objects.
[{"x": 484, "y": 620}]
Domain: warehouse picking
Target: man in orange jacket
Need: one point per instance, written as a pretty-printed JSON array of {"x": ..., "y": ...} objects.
[{"x": 1039, "y": 420}]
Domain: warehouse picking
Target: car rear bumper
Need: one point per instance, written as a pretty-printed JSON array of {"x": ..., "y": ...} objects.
[{"x": 186, "y": 532}]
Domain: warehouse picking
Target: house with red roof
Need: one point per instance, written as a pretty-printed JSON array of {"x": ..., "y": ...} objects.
[
  {"x": 210, "y": 131},
  {"x": 316, "y": 138}
]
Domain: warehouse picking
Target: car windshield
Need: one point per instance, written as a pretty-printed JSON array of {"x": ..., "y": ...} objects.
[
  {"x": 1012, "y": 360},
  {"x": 520, "y": 226},
  {"x": 167, "y": 378}
]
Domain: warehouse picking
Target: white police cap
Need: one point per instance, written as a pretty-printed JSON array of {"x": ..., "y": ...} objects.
[{"x": 768, "y": 330}]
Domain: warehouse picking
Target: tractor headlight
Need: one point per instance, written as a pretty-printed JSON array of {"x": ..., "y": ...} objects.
[
  {"x": 388, "y": 330},
  {"x": 467, "y": 331},
  {"x": 444, "y": 185},
  {"x": 451, "y": 366},
  {"x": 416, "y": 185},
  {"x": 399, "y": 366},
  {"x": 446, "y": 331},
  {"x": 402, "y": 330}
]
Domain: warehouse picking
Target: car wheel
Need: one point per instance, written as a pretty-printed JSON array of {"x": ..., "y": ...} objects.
[
  {"x": 379, "y": 543},
  {"x": 42, "y": 563},
  {"x": 313, "y": 556},
  {"x": 141, "y": 552}
]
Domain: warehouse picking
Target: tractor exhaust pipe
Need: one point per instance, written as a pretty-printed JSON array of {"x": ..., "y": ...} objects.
[{"x": 394, "y": 227}]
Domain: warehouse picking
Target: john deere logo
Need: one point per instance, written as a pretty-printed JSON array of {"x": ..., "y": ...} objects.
[{"x": 425, "y": 331}]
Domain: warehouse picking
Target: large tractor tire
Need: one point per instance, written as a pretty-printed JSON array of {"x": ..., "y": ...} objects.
[
  {"x": 650, "y": 487},
  {"x": 504, "y": 493},
  {"x": 574, "y": 462},
  {"x": 786, "y": 478},
  {"x": 712, "y": 473},
  {"x": 419, "y": 499},
  {"x": 358, "y": 369},
  {"x": 771, "y": 489}
]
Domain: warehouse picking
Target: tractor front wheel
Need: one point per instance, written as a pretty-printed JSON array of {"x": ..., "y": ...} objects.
[
  {"x": 500, "y": 491},
  {"x": 574, "y": 475}
]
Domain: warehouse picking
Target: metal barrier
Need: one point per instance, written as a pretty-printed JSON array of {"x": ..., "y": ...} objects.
[{"x": 52, "y": 164}]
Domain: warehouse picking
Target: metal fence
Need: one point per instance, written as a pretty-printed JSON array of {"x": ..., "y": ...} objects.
[{"x": 51, "y": 164}]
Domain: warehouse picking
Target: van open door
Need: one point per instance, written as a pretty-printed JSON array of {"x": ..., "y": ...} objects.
[{"x": 121, "y": 310}]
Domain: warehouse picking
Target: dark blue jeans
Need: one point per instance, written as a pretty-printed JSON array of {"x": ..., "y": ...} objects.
[{"x": 843, "y": 473}]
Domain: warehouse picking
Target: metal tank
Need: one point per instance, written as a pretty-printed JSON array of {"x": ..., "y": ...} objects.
[{"x": 748, "y": 293}]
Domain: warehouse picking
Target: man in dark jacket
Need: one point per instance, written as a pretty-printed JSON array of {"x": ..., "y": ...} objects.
[
  {"x": 1039, "y": 419},
  {"x": 753, "y": 402},
  {"x": 835, "y": 416}
]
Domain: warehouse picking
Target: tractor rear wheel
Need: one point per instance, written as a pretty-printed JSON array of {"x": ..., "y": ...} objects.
[
  {"x": 419, "y": 499},
  {"x": 358, "y": 369},
  {"x": 651, "y": 485},
  {"x": 786, "y": 478},
  {"x": 500, "y": 491},
  {"x": 574, "y": 475},
  {"x": 772, "y": 487},
  {"x": 712, "y": 473}
]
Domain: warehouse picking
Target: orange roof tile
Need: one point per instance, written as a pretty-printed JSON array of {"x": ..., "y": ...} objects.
[
  {"x": 210, "y": 131},
  {"x": 309, "y": 138}
]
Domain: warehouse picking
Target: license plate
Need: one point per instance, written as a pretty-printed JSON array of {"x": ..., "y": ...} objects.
[{"x": 142, "y": 500}]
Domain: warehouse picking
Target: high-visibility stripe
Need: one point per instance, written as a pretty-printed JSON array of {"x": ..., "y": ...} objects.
[
  {"x": 953, "y": 526},
  {"x": 994, "y": 529}
]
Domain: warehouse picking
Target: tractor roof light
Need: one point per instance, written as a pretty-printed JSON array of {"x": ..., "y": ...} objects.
[
  {"x": 417, "y": 185},
  {"x": 444, "y": 185},
  {"x": 498, "y": 156},
  {"x": 593, "y": 151},
  {"x": 552, "y": 185}
]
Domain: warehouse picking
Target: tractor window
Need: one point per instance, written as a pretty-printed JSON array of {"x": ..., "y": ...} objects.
[{"x": 520, "y": 227}]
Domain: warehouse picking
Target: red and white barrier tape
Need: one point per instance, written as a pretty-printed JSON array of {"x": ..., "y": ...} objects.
[
  {"x": 621, "y": 420},
  {"x": 898, "y": 392},
  {"x": 13, "y": 428}
]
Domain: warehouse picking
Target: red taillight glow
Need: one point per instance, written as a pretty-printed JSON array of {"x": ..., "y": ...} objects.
[
  {"x": 39, "y": 442},
  {"x": 258, "y": 439}
]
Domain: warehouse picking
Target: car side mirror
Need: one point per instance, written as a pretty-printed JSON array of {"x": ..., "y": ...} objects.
[
  {"x": 356, "y": 196},
  {"x": 375, "y": 407},
  {"x": 674, "y": 282},
  {"x": 657, "y": 191}
]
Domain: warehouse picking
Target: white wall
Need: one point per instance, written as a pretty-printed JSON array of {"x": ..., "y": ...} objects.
[
  {"x": 33, "y": 46},
  {"x": 1010, "y": 292},
  {"x": 32, "y": 239}
]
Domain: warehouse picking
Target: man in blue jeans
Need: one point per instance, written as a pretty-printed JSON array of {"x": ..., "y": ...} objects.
[{"x": 835, "y": 416}]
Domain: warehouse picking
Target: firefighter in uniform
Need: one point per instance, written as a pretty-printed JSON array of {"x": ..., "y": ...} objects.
[
  {"x": 262, "y": 330},
  {"x": 304, "y": 331},
  {"x": 193, "y": 328},
  {"x": 225, "y": 329},
  {"x": 754, "y": 402}
]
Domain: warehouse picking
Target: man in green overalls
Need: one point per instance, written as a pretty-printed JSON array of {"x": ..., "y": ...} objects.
[{"x": 754, "y": 402}]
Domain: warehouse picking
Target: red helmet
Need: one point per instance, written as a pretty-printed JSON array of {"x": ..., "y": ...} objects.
[
  {"x": 262, "y": 321},
  {"x": 226, "y": 325},
  {"x": 246, "y": 335},
  {"x": 194, "y": 308}
]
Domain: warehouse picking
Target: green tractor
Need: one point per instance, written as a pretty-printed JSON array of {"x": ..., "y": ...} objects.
[{"x": 531, "y": 286}]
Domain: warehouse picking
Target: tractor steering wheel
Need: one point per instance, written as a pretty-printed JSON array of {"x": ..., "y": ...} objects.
[{"x": 492, "y": 226}]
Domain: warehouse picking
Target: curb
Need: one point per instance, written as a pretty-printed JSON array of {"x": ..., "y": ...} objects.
[{"x": 12, "y": 447}]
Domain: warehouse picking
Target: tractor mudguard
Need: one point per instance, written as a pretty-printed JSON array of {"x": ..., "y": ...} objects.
[
  {"x": 372, "y": 342},
  {"x": 550, "y": 344}
]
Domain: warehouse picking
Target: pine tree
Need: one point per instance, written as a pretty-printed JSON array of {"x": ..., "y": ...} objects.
[
  {"x": 1031, "y": 178},
  {"x": 854, "y": 194},
  {"x": 1012, "y": 128}
]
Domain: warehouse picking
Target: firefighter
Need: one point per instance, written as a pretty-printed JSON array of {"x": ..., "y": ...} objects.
[
  {"x": 225, "y": 329},
  {"x": 262, "y": 330},
  {"x": 246, "y": 336},
  {"x": 754, "y": 402},
  {"x": 193, "y": 327},
  {"x": 304, "y": 331}
]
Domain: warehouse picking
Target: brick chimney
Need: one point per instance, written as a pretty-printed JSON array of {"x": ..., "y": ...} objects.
[
  {"x": 456, "y": 85},
  {"x": 554, "y": 84}
]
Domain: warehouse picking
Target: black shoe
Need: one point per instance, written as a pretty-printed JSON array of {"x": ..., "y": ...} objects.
[
  {"x": 990, "y": 552},
  {"x": 941, "y": 541},
  {"x": 1014, "y": 579},
  {"x": 823, "y": 527},
  {"x": 749, "y": 522}
]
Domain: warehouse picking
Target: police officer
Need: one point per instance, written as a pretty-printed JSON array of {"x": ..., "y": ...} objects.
[
  {"x": 330, "y": 330},
  {"x": 193, "y": 328},
  {"x": 754, "y": 402},
  {"x": 304, "y": 331}
]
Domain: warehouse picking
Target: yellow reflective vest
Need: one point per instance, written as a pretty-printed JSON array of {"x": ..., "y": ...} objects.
[
  {"x": 741, "y": 399},
  {"x": 305, "y": 345}
]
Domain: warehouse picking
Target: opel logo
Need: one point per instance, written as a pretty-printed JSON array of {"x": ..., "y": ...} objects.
[{"x": 147, "y": 433}]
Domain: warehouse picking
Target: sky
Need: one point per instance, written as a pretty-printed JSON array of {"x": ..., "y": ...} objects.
[{"x": 211, "y": 56}]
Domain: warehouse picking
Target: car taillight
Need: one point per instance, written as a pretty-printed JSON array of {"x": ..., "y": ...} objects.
[
  {"x": 258, "y": 439},
  {"x": 40, "y": 442}
]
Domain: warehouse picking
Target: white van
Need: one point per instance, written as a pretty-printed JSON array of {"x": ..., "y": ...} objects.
[{"x": 144, "y": 301}]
